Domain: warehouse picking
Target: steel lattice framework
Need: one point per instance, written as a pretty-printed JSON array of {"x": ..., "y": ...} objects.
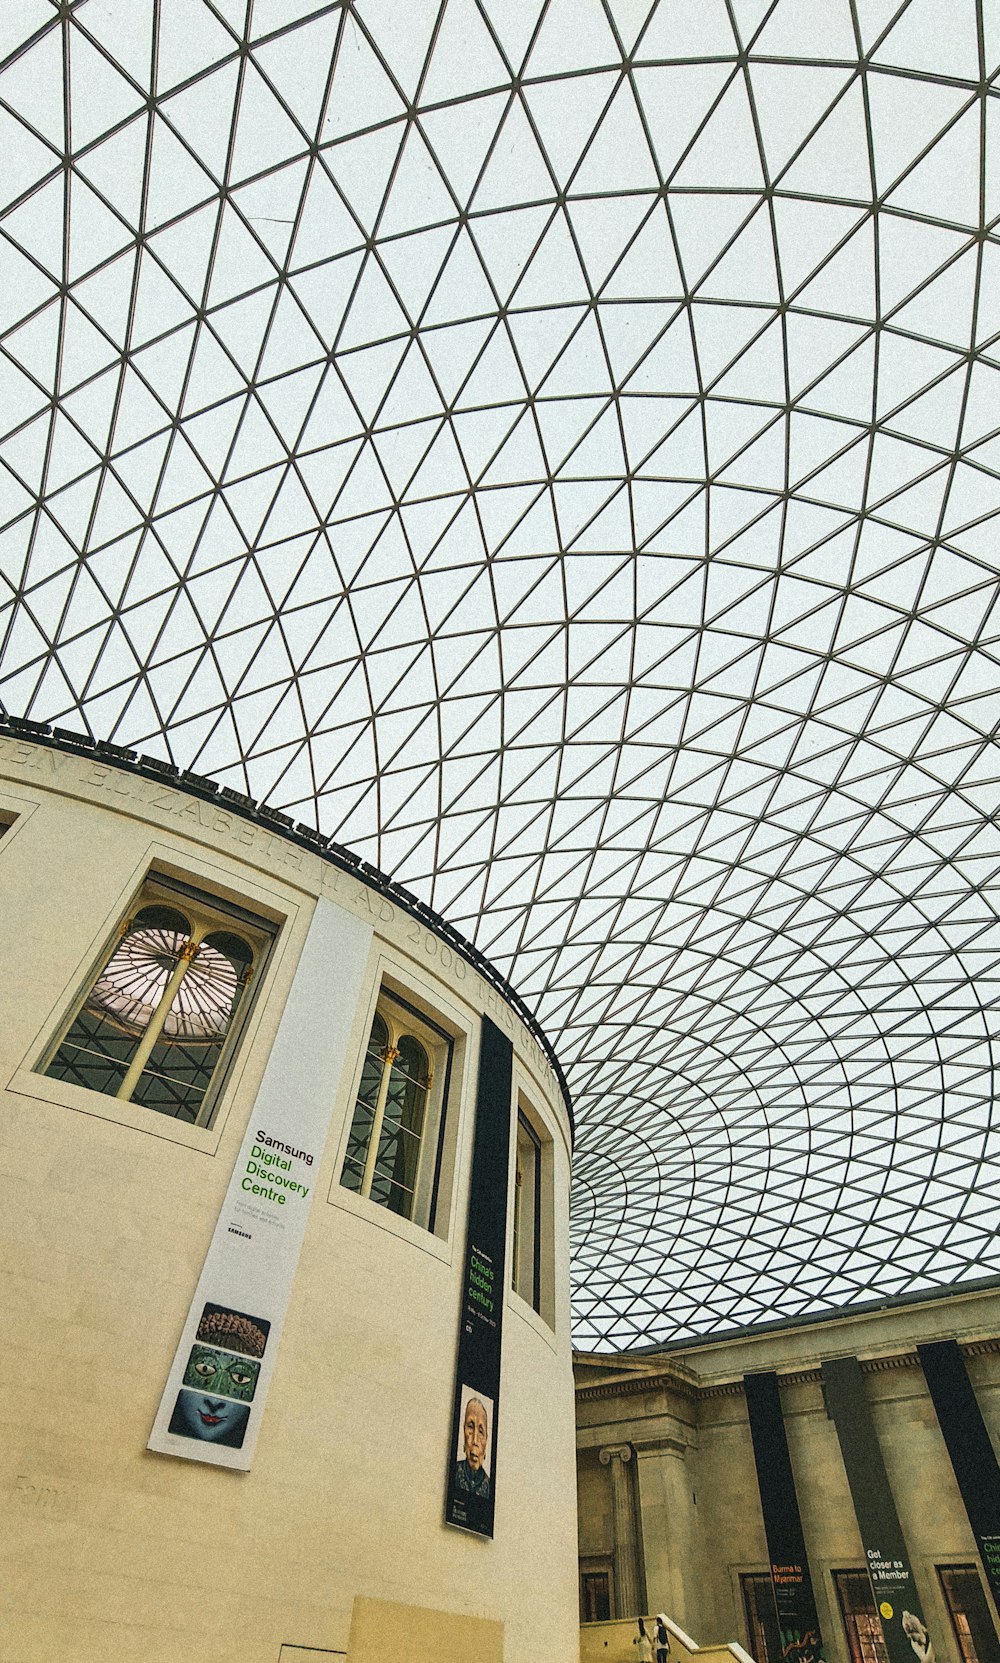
[{"x": 552, "y": 445}]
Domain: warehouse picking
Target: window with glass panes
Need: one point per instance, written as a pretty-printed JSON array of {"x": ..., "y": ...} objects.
[
  {"x": 596, "y": 1592},
  {"x": 969, "y": 1610},
  {"x": 761, "y": 1616},
  {"x": 394, "y": 1145},
  {"x": 861, "y": 1620},
  {"x": 159, "y": 1021},
  {"x": 527, "y": 1254}
]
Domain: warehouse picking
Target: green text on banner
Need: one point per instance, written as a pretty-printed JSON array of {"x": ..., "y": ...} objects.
[{"x": 214, "y": 1398}]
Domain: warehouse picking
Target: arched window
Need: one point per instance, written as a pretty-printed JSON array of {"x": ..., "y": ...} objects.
[
  {"x": 532, "y": 1256},
  {"x": 527, "y": 1241},
  {"x": 392, "y": 1143},
  {"x": 160, "y": 1015}
]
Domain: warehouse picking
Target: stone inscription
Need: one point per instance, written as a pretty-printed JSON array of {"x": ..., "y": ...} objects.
[{"x": 193, "y": 815}]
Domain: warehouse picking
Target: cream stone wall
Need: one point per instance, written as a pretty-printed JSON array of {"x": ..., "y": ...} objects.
[
  {"x": 111, "y": 1551},
  {"x": 697, "y": 1502}
]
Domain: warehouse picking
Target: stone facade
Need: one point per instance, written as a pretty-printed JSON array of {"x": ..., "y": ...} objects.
[{"x": 695, "y": 1520}]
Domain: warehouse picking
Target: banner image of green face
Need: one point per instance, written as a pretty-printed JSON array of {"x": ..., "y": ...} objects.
[{"x": 220, "y": 1374}]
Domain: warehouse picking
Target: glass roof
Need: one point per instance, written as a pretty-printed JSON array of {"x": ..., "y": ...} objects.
[{"x": 553, "y": 446}]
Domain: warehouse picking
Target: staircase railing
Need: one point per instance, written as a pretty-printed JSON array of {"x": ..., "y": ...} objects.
[{"x": 617, "y": 1642}]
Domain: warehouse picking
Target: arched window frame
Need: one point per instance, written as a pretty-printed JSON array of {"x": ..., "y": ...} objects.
[
  {"x": 526, "y": 1257},
  {"x": 531, "y": 1263},
  {"x": 402, "y": 1021},
  {"x": 203, "y": 916}
]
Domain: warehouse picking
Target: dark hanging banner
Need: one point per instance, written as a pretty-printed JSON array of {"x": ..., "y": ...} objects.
[
  {"x": 970, "y": 1447},
  {"x": 888, "y": 1562},
  {"x": 472, "y": 1454},
  {"x": 795, "y": 1603}
]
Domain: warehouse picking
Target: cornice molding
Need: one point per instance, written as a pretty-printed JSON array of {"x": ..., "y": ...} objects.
[
  {"x": 638, "y": 1385},
  {"x": 657, "y": 1446},
  {"x": 691, "y": 1391}
]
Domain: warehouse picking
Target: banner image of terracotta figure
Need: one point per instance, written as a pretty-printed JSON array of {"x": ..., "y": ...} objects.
[
  {"x": 472, "y": 1468},
  {"x": 233, "y": 1329}
]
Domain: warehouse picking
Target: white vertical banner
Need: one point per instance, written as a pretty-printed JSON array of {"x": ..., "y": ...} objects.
[{"x": 214, "y": 1398}]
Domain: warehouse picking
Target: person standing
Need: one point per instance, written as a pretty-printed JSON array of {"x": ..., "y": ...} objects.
[
  {"x": 662, "y": 1638},
  {"x": 644, "y": 1644}
]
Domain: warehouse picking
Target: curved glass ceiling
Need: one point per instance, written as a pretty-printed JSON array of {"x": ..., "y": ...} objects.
[{"x": 553, "y": 445}]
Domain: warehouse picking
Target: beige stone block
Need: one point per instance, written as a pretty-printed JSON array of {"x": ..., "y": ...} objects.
[
  {"x": 42, "y": 1638},
  {"x": 29, "y": 1300},
  {"x": 25, "y": 1163},
  {"x": 382, "y": 1629}
]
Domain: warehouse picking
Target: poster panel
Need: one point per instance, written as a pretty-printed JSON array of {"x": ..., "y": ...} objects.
[
  {"x": 214, "y": 1398},
  {"x": 886, "y": 1556},
  {"x": 794, "y": 1600},
  {"x": 969, "y": 1446},
  {"x": 470, "y": 1497}
]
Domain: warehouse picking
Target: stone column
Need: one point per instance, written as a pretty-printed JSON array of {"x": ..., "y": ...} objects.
[
  {"x": 667, "y": 1524},
  {"x": 628, "y": 1597}
]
